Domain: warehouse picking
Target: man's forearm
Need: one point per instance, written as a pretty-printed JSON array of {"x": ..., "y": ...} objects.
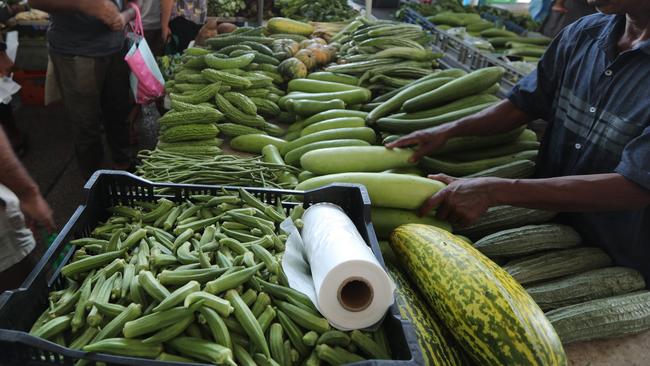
[
  {"x": 580, "y": 193},
  {"x": 12, "y": 173},
  {"x": 166, "y": 12},
  {"x": 502, "y": 117}
]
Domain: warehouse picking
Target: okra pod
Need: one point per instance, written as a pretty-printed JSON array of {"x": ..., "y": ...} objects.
[
  {"x": 202, "y": 350},
  {"x": 92, "y": 262},
  {"x": 242, "y": 356},
  {"x": 222, "y": 306},
  {"x": 294, "y": 333},
  {"x": 170, "y": 332},
  {"x": 232, "y": 280},
  {"x": 368, "y": 345},
  {"x": 171, "y": 218},
  {"x": 178, "y": 296},
  {"x": 125, "y": 347},
  {"x": 79, "y": 317},
  {"x": 182, "y": 238},
  {"x": 182, "y": 276},
  {"x": 151, "y": 286},
  {"x": 304, "y": 318},
  {"x": 337, "y": 355},
  {"x": 108, "y": 309},
  {"x": 84, "y": 338},
  {"x": 310, "y": 338},
  {"x": 54, "y": 327},
  {"x": 217, "y": 327},
  {"x": 248, "y": 321},
  {"x": 115, "y": 326},
  {"x": 184, "y": 255},
  {"x": 266, "y": 318},
  {"x": 133, "y": 239},
  {"x": 155, "y": 321},
  {"x": 249, "y": 297},
  {"x": 276, "y": 344}
]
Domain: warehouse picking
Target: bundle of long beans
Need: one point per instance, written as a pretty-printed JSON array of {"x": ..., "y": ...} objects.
[{"x": 162, "y": 166}]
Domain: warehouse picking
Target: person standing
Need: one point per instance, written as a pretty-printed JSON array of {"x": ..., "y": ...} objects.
[
  {"x": 87, "y": 45},
  {"x": 183, "y": 19},
  {"x": 563, "y": 13},
  {"x": 19, "y": 197},
  {"x": 594, "y": 163}
]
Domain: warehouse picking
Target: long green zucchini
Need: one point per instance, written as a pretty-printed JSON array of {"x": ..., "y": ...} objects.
[
  {"x": 459, "y": 169},
  {"x": 492, "y": 152},
  {"x": 355, "y": 159},
  {"x": 395, "y": 103},
  {"x": 384, "y": 189},
  {"x": 471, "y": 101},
  {"x": 476, "y": 142},
  {"x": 293, "y": 156},
  {"x": 359, "y": 133},
  {"x": 516, "y": 170},
  {"x": 546, "y": 266},
  {"x": 592, "y": 285},
  {"x": 409, "y": 125},
  {"x": 470, "y": 84},
  {"x": 603, "y": 318},
  {"x": 331, "y": 114},
  {"x": 490, "y": 314}
]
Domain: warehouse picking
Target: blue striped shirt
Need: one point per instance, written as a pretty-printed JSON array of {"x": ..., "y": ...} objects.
[{"x": 597, "y": 104}]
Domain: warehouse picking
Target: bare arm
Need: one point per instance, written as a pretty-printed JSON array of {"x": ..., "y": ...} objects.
[
  {"x": 165, "y": 17},
  {"x": 15, "y": 177},
  {"x": 502, "y": 117},
  {"x": 463, "y": 201}
]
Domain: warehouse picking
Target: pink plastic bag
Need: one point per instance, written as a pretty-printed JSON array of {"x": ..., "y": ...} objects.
[{"x": 147, "y": 82}]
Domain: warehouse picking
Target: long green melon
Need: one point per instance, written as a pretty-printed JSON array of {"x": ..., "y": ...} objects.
[
  {"x": 546, "y": 266},
  {"x": 407, "y": 192},
  {"x": 516, "y": 170},
  {"x": 528, "y": 239},
  {"x": 355, "y": 159},
  {"x": 435, "y": 341},
  {"x": 491, "y": 315},
  {"x": 385, "y": 220},
  {"x": 603, "y": 318},
  {"x": 592, "y": 285}
]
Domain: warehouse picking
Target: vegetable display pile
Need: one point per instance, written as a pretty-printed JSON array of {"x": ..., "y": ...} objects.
[
  {"x": 225, "y": 8},
  {"x": 197, "y": 281},
  {"x": 316, "y": 10}
]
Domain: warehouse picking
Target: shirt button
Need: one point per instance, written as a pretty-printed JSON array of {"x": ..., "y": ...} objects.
[
  {"x": 578, "y": 146},
  {"x": 608, "y": 73},
  {"x": 592, "y": 109}
]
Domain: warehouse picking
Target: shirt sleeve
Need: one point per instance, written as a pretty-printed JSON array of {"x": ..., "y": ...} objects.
[
  {"x": 634, "y": 164},
  {"x": 535, "y": 93}
]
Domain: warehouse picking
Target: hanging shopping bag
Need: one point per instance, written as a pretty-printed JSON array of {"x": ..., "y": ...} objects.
[{"x": 147, "y": 82}]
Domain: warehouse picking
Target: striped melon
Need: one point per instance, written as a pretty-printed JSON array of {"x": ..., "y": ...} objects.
[
  {"x": 436, "y": 343},
  {"x": 489, "y": 313}
]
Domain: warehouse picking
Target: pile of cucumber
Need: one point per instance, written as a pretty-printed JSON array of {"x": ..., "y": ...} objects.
[{"x": 197, "y": 281}]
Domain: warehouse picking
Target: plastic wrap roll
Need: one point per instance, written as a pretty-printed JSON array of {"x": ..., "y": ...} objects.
[{"x": 347, "y": 283}]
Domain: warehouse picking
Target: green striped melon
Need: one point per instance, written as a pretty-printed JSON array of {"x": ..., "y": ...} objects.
[{"x": 490, "y": 314}]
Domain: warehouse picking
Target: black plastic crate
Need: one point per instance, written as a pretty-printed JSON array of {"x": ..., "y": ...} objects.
[{"x": 20, "y": 308}]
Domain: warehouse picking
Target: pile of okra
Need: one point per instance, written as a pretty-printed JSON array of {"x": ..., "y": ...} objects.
[{"x": 195, "y": 281}]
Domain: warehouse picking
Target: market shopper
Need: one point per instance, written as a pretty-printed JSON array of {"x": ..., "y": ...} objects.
[
  {"x": 182, "y": 19},
  {"x": 18, "y": 195},
  {"x": 87, "y": 45},
  {"x": 592, "y": 86},
  {"x": 151, "y": 22}
]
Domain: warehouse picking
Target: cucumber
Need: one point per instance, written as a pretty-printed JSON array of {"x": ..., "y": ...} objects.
[
  {"x": 293, "y": 156},
  {"x": 355, "y": 159},
  {"x": 469, "y": 84},
  {"x": 307, "y": 108},
  {"x": 254, "y": 143},
  {"x": 453, "y": 168},
  {"x": 318, "y": 86},
  {"x": 331, "y": 114},
  {"x": 334, "y": 78},
  {"x": 395, "y": 103},
  {"x": 471, "y": 101},
  {"x": 404, "y": 126},
  {"x": 331, "y": 124},
  {"x": 385, "y": 189},
  {"x": 358, "y": 96},
  {"x": 361, "y": 133}
]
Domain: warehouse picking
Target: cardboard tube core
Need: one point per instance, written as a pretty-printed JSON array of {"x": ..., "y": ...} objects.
[{"x": 355, "y": 294}]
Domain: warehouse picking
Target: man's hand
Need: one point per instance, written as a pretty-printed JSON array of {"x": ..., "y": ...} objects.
[
  {"x": 428, "y": 141},
  {"x": 463, "y": 201},
  {"x": 106, "y": 11},
  {"x": 37, "y": 211},
  {"x": 6, "y": 65}
]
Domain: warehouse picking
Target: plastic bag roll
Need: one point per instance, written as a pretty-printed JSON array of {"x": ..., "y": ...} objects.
[{"x": 348, "y": 285}]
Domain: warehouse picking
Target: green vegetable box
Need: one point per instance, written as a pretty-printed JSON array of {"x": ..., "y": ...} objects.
[{"x": 137, "y": 286}]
